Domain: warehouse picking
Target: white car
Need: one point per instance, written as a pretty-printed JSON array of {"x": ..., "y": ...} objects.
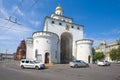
[
  {"x": 28, "y": 63},
  {"x": 103, "y": 63}
]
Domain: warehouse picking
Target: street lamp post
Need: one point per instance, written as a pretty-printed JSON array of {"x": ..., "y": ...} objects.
[{"x": 6, "y": 53}]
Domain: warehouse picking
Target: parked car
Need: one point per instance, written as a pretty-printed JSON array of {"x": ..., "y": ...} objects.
[
  {"x": 29, "y": 63},
  {"x": 103, "y": 63},
  {"x": 78, "y": 63}
]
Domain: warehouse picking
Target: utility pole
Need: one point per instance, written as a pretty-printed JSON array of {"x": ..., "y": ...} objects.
[
  {"x": 6, "y": 53},
  {"x": 0, "y": 56}
]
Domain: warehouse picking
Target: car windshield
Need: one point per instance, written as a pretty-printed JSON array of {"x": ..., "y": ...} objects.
[
  {"x": 84, "y": 62},
  {"x": 78, "y": 61},
  {"x": 106, "y": 61}
]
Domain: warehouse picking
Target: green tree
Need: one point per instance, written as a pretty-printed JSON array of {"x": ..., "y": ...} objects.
[
  {"x": 93, "y": 50},
  {"x": 115, "y": 54},
  {"x": 118, "y": 53},
  {"x": 98, "y": 56},
  {"x": 118, "y": 42},
  {"x": 118, "y": 50}
]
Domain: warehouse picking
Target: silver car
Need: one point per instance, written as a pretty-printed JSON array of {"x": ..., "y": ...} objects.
[
  {"x": 103, "y": 63},
  {"x": 78, "y": 63}
]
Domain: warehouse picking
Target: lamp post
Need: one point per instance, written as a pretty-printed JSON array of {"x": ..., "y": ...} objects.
[
  {"x": 103, "y": 46},
  {"x": 6, "y": 53},
  {"x": 105, "y": 49}
]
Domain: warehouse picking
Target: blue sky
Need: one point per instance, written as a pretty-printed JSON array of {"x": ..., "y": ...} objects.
[{"x": 101, "y": 19}]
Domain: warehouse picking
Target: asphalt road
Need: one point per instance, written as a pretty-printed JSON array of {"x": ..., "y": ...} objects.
[{"x": 10, "y": 70}]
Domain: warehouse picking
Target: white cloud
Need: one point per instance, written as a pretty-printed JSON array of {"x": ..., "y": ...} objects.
[
  {"x": 3, "y": 37},
  {"x": 17, "y": 10},
  {"x": 97, "y": 40},
  {"x": 113, "y": 32},
  {"x": 11, "y": 26},
  {"x": 12, "y": 31},
  {"x": 11, "y": 34},
  {"x": 110, "y": 36},
  {"x": 35, "y": 23},
  {"x": 4, "y": 13},
  {"x": 116, "y": 31}
]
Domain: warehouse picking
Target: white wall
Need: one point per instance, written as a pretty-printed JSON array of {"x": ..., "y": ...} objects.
[
  {"x": 77, "y": 34},
  {"x": 50, "y": 42},
  {"x": 59, "y": 29},
  {"x": 46, "y": 42},
  {"x": 29, "y": 51},
  {"x": 62, "y": 18},
  {"x": 84, "y": 49}
]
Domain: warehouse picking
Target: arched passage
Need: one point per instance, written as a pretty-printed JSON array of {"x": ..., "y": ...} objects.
[
  {"x": 47, "y": 57},
  {"x": 66, "y": 47},
  {"x": 89, "y": 59}
]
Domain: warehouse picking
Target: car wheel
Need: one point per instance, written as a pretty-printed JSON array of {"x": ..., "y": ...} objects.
[
  {"x": 22, "y": 66},
  {"x": 87, "y": 65},
  {"x": 37, "y": 68},
  {"x": 76, "y": 66},
  {"x": 71, "y": 66}
]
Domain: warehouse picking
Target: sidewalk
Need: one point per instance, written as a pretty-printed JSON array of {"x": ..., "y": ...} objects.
[{"x": 57, "y": 65}]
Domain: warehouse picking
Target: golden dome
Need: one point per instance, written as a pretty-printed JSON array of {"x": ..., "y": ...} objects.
[{"x": 58, "y": 8}]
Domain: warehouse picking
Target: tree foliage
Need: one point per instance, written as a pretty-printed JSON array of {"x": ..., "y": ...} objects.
[
  {"x": 115, "y": 54},
  {"x": 98, "y": 56},
  {"x": 93, "y": 51}
]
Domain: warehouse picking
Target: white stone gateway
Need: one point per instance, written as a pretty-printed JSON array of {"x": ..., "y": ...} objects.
[{"x": 60, "y": 41}]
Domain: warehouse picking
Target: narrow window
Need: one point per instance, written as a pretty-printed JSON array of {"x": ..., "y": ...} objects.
[
  {"x": 64, "y": 20},
  {"x": 72, "y": 26},
  {"x": 60, "y": 23},
  {"x": 53, "y": 22},
  {"x": 78, "y": 28}
]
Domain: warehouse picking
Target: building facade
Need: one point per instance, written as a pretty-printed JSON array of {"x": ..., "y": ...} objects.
[
  {"x": 21, "y": 51},
  {"x": 60, "y": 41},
  {"x": 106, "y": 48}
]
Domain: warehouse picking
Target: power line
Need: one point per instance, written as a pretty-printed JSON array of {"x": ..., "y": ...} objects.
[
  {"x": 20, "y": 4},
  {"x": 35, "y": 2},
  {"x": 10, "y": 28},
  {"x": 11, "y": 20},
  {"x": 7, "y": 22},
  {"x": 14, "y": 29},
  {"x": 15, "y": 19}
]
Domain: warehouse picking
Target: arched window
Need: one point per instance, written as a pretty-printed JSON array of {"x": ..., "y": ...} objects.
[
  {"x": 47, "y": 57},
  {"x": 53, "y": 22},
  {"x": 89, "y": 57}
]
